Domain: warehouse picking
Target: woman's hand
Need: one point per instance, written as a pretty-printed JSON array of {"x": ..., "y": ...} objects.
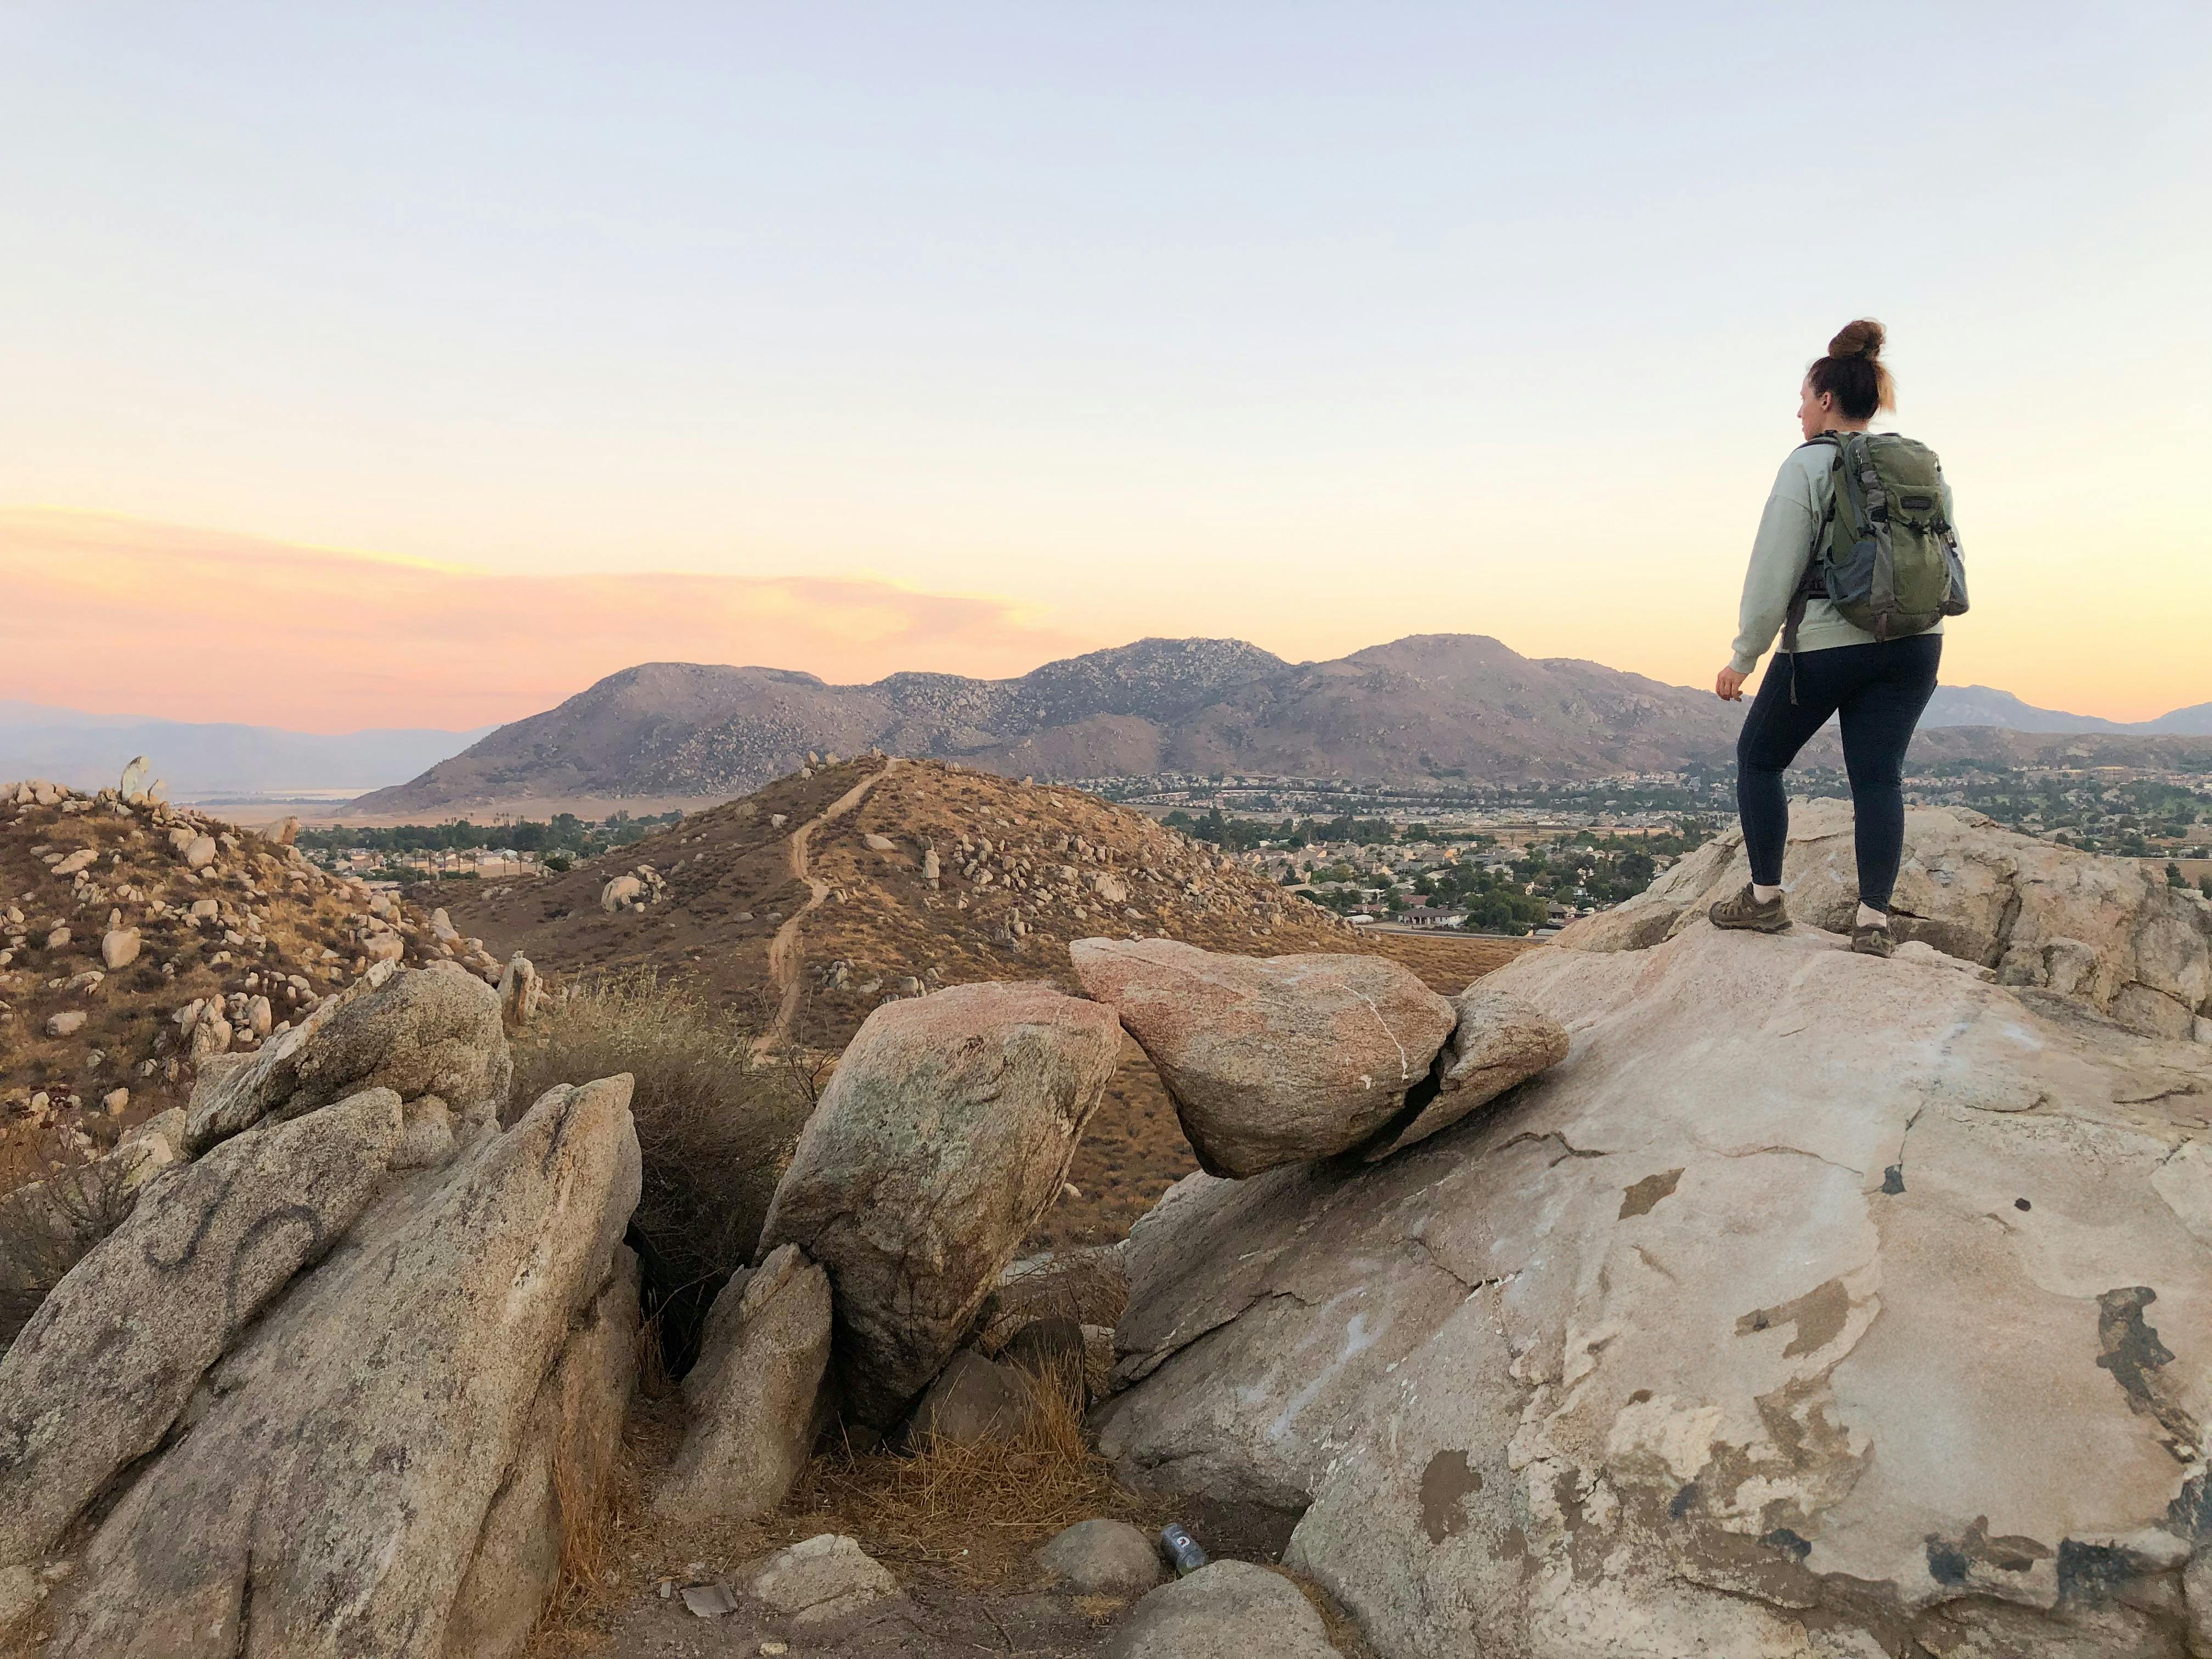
[{"x": 1728, "y": 685}]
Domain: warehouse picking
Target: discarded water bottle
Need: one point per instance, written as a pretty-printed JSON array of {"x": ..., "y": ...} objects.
[{"x": 1183, "y": 1549}]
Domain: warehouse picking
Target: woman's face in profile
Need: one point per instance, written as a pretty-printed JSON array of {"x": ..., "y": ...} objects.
[{"x": 1812, "y": 411}]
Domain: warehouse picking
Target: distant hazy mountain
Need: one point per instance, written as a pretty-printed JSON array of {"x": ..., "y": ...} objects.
[
  {"x": 89, "y": 751},
  {"x": 1982, "y": 705},
  {"x": 2195, "y": 721}
]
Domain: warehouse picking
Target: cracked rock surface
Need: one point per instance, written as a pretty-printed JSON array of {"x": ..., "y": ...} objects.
[
  {"x": 1814, "y": 1305},
  {"x": 2109, "y": 932}
]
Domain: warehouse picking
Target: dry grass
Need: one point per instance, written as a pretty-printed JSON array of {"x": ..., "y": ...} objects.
[
  {"x": 973, "y": 1513},
  {"x": 975, "y": 1509},
  {"x": 715, "y": 1130}
]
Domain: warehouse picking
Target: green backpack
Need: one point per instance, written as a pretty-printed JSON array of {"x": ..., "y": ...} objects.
[{"x": 1885, "y": 556}]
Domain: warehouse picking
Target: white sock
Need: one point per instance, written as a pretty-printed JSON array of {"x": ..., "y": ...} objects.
[
  {"x": 1765, "y": 894},
  {"x": 1871, "y": 917}
]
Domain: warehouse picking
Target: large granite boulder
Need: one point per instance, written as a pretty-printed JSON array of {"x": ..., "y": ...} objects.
[
  {"x": 2110, "y": 932},
  {"x": 751, "y": 1397},
  {"x": 304, "y": 1401},
  {"x": 1271, "y": 1060},
  {"x": 945, "y": 1134},
  {"x": 1815, "y": 1305},
  {"x": 415, "y": 1030}
]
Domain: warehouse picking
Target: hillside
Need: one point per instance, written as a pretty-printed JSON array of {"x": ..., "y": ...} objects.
[
  {"x": 811, "y": 902},
  {"x": 1422, "y": 706},
  {"x": 120, "y": 917}
]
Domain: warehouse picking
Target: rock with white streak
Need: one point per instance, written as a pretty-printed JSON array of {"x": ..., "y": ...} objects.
[{"x": 1497, "y": 1042}]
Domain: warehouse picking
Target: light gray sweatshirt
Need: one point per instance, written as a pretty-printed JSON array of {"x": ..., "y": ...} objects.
[{"x": 1778, "y": 558}]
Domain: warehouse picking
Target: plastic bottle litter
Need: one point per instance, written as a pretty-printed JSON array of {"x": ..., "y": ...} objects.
[{"x": 1183, "y": 1549}]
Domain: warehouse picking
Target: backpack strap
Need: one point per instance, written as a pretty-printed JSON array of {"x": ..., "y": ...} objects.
[{"x": 1814, "y": 584}]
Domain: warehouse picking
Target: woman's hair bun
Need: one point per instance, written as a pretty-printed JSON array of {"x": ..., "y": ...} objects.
[{"x": 1862, "y": 338}]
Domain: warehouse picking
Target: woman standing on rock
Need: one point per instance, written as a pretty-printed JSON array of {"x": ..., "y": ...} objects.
[{"x": 1855, "y": 565}]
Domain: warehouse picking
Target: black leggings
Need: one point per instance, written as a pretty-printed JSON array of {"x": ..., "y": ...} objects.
[{"x": 1879, "y": 690}]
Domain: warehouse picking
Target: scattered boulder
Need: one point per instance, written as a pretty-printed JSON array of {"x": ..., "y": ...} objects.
[
  {"x": 198, "y": 851},
  {"x": 1499, "y": 1041},
  {"x": 1102, "y": 1558},
  {"x": 119, "y": 947},
  {"x": 753, "y": 1395},
  {"x": 1226, "y": 1610},
  {"x": 1271, "y": 1060},
  {"x": 944, "y": 1136},
  {"x": 880, "y": 843},
  {"x": 2109, "y": 932},
  {"x": 1814, "y": 1304},
  {"x": 67, "y": 1023},
  {"x": 972, "y": 1399},
  {"x": 619, "y": 893},
  {"x": 818, "y": 1580}
]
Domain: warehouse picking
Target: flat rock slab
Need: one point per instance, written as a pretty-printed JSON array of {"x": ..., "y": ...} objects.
[
  {"x": 1814, "y": 1304},
  {"x": 945, "y": 1134},
  {"x": 1271, "y": 1060}
]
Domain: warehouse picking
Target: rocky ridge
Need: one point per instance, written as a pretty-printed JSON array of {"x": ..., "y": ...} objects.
[{"x": 143, "y": 939}]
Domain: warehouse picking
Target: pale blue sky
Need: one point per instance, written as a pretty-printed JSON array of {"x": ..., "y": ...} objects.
[{"x": 1312, "y": 324}]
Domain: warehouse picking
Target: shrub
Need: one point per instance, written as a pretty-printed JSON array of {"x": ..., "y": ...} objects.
[{"x": 715, "y": 1129}]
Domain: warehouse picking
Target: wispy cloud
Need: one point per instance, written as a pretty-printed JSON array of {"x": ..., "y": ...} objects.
[{"x": 121, "y": 616}]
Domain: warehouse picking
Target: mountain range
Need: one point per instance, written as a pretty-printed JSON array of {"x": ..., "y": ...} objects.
[{"x": 1429, "y": 707}]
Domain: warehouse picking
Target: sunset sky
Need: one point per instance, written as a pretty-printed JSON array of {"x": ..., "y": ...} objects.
[{"x": 417, "y": 365}]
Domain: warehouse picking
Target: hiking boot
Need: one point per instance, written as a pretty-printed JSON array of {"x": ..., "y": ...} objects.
[
  {"x": 1767, "y": 916},
  {"x": 1873, "y": 939}
]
